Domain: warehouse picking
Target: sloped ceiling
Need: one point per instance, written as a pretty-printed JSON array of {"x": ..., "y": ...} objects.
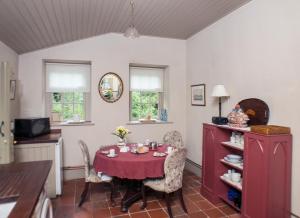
[{"x": 28, "y": 25}]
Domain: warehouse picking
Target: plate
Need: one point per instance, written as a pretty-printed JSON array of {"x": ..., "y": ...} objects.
[
  {"x": 257, "y": 111},
  {"x": 135, "y": 150},
  {"x": 234, "y": 157},
  {"x": 109, "y": 155},
  {"x": 232, "y": 160},
  {"x": 159, "y": 154},
  {"x": 104, "y": 152}
]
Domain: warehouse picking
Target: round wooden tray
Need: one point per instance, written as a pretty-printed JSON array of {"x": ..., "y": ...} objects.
[{"x": 257, "y": 111}]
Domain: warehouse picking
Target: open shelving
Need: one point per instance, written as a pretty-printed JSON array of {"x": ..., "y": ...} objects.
[
  {"x": 233, "y": 145},
  {"x": 237, "y": 166},
  {"x": 235, "y": 185}
]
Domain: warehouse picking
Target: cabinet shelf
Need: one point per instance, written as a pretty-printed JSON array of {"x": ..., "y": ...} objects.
[
  {"x": 235, "y": 185},
  {"x": 224, "y": 198},
  {"x": 233, "y": 145},
  {"x": 233, "y": 165}
]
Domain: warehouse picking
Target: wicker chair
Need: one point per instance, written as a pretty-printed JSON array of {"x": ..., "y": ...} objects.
[
  {"x": 172, "y": 182},
  {"x": 173, "y": 138},
  {"x": 91, "y": 176}
]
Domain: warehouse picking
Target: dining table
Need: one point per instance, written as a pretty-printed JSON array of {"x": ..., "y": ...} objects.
[{"x": 133, "y": 166}]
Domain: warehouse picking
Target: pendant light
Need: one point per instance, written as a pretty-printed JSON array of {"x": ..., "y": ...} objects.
[{"x": 131, "y": 31}]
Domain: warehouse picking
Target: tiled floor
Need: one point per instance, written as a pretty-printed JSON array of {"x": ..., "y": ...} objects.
[{"x": 97, "y": 205}]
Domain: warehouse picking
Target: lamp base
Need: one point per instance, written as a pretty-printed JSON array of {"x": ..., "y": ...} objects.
[{"x": 220, "y": 120}]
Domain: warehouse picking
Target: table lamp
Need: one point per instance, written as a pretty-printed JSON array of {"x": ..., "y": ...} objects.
[{"x": 219, "y": 91}]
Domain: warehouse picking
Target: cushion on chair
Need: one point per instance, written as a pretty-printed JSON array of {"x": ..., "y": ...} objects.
[
  {"x": 155, "y": 184},
  {"x": 173, "y": 138},
  {"x": 94, "y": 178}
]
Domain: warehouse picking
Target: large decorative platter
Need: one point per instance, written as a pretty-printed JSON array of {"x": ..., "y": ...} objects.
[{"x": 257, "y": 111}]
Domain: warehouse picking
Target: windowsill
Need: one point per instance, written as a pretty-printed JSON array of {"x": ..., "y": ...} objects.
[
  {"x": 66, "y": 123},
  {"x": 148, "y": 122}
]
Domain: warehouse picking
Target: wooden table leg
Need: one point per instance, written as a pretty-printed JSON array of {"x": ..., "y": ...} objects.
[{"x": 133, "y": 194}]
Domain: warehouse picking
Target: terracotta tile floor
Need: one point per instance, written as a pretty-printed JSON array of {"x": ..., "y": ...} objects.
[{"x": 97, "y": 204}]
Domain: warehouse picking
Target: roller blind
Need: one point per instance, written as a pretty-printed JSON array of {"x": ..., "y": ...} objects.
[
  {"x": 63, "y": 77},
  {"x": 146, "y": 79}
]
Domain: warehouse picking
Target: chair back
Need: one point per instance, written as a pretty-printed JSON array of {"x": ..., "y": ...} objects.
[
  {"x": 86, "y": 157},
  {"x": 173, "y": 168},
  {"x": 173, "y": 138}
]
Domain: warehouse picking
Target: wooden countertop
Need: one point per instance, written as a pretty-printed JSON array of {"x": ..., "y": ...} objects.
[
  {"x": 23, "y": 182},
  {"x": 53, "y": 136}
]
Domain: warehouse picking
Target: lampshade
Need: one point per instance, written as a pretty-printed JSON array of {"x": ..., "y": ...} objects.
[{"x": 219, "y": 91}]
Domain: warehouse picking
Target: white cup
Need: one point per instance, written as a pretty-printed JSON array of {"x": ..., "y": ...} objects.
[
  {"x": 232, "y": 139},
  {"x": 112, "y": 152},
  {"x": 235, "y": 177},
  {"x": 169, "y": 150},
  {"x": 227, "y": 176}
]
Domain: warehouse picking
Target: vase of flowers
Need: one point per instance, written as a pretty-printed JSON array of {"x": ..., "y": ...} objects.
[{"x": 121, "y": 132}]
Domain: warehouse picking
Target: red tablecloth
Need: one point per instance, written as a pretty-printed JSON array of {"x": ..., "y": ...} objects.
[{"x": 129, "y": 165}]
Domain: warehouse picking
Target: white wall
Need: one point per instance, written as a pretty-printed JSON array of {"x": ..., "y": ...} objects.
[
  {"x": 254, "y": 52},
  {"x": 108, "y": 53},
  {"x": 10, "y": 56}
]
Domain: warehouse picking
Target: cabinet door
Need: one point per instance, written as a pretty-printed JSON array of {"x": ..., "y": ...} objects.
[
  {"x": 255, "y": 177},
  {"x": 208, "y": 159},
  {"x": 279, "y": 198}
]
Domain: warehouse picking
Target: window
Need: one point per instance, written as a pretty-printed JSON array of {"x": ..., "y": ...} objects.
[
  {"x": 146, "y": 92},
  {"x": 68, "y": 91}
]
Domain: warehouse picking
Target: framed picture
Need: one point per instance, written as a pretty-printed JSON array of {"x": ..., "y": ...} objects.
[
  {"x": 12, "y": 89},
  {"x": 198, "y": 94}
]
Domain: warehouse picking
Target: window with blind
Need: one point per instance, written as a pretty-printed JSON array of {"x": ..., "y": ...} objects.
[
  {"x": 147, "y": 92},
  {"x": 68, "y": 91}
]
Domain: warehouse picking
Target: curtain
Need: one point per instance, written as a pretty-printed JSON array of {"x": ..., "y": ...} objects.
[
  {"x": 146, "y": 79},
  {"x": 63, "y": 77}
]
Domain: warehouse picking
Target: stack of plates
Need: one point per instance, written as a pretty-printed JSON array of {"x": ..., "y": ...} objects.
[{"x": 233, "y": 158}]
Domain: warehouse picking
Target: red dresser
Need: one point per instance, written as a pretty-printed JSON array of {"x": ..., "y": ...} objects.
[{"x": 266, "y": 171}]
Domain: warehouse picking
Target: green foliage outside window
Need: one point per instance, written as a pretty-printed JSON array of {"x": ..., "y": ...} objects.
[
  {"x": 144, "y": 104},
  {"x": 68, "y": 104}
]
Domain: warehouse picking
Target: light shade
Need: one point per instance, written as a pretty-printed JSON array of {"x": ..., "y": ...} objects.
[
  {"x": 219, "y": 91},
  {"x": 63, "y": 77},
  {"x": 146, "y": 79},
  {"x": 131, "y": 32}
]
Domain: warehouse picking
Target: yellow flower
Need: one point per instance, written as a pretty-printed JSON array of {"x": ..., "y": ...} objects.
[{"x": 121, "y": 132}]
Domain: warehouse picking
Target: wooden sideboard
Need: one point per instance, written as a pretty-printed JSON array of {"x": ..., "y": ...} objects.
[{"x": 266, "y": 171}]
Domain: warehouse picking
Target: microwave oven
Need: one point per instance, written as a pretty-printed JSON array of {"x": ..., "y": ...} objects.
[{"x": 31, "y": 127}]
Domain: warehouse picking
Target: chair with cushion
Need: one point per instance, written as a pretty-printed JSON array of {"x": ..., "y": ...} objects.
[
  {"x": 172, "y": 182},
  {"x": 173, "y": 138},
  {"x": 91, "y": 176}
]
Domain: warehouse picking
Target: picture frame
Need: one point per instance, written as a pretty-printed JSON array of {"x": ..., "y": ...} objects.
[
  {"x": 12, "y": 89},
  {"x": 198, "y": 97}
]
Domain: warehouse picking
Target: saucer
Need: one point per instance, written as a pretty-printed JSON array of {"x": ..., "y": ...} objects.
[
  {"x": 159, "y": 154},
  {"x": 109, "y": 155},
  {"x": 105, "y": 152}
]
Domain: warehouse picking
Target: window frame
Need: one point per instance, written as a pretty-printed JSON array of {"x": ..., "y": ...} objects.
[
  {"x": 162, "y": 101},
  {"x": 48, "y": 97}
]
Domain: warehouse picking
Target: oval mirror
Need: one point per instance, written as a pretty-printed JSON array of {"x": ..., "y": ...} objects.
[{"x": 110, "y": 87}]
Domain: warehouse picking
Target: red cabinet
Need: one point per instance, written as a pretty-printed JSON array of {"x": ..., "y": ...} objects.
[{"x": 266, "y": 171}]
